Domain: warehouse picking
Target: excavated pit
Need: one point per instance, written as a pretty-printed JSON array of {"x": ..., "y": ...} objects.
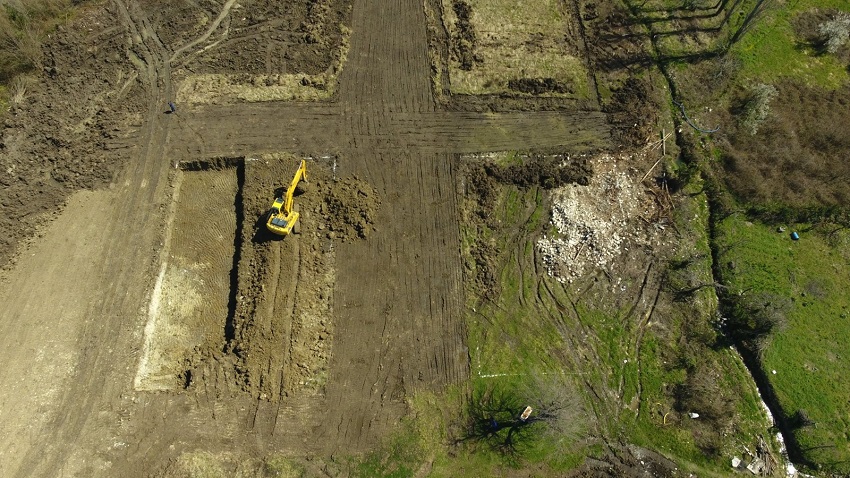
[
  {"x": 234, "y": 303},
  {"x": 191, "y": 300}
]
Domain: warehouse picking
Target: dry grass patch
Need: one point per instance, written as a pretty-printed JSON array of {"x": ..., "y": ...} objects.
[
  {"x": 503, "y": 46},
  {"x": 215, "y": 88}
]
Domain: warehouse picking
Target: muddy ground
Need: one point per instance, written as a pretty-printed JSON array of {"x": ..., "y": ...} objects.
[{"x": 307, "y": 345}]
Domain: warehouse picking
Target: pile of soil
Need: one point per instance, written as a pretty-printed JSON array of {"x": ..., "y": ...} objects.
[
  {"x": 537, "y": 86},
  {"x": 463, "y": 43},
  {"x": 632, "y": 112},
  {"x": 349, "y": 207},
  {"x": 546, "y": 171}
]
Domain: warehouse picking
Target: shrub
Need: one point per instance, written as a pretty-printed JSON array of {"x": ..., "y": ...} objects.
[
  {"x": 756, "y": 316},
  {"x": 757, "y": 107},
  {"x": 834, "y": 33}
]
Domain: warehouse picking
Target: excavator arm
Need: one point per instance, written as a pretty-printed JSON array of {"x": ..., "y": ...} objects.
[{"x": 299, "y": 175}]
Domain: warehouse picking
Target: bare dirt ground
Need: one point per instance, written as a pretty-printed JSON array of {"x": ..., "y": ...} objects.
[{"x": 152, "y": 317}]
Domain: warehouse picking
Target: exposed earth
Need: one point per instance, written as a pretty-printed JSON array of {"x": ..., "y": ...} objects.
[{"x": 150, "y": 319}]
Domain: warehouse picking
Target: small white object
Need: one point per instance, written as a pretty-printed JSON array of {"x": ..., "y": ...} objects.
[
  {"x": 693, "y": 415},
  {"x": 773, "y": 372},
  {"x": 736, "y": 462}
]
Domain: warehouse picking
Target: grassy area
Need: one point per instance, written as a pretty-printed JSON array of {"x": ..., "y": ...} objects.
[
  {"x": 811, "y": 355},
  {"x": 772, "y": 50},
  {"x": 525, "y": 330},
  {"x": 621, "y": 388},
  {"x": 23, "y": 27},
  {"x": 401, "y": 456},
  {"x": 679, "y": 357},
  {"x": 504, "y": 42}
]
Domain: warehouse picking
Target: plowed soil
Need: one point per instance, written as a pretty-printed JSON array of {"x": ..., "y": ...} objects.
[{"x": 150, "y": 315}]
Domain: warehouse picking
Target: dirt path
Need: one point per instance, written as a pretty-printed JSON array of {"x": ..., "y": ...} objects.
[
  {"x": 211, "y": 131},
  {"x": 414, "y": 335},
  {"x": 89, "y": 267}
]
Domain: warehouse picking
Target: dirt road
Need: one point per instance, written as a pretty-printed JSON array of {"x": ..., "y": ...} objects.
[{"x": 73, "y": 326}]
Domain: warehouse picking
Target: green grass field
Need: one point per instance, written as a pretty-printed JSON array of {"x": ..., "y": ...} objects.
[
  {"x": 772, "y": 50},
  {"x": 811, "y": 356}
]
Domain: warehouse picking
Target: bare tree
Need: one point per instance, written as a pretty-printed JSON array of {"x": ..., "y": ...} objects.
[{"x": 496, "y": 409}]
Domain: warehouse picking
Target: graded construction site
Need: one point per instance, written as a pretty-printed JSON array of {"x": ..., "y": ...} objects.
[
  {"x": 152, "y": 319},
  {"x": 518, "y": 252}
]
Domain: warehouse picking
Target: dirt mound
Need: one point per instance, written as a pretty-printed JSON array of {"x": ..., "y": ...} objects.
[
  {"x": 632, "y": 113},
  {"x": 349, "y": 207},
  {"x": 463, "y": 44},
  {"x": 596, "y": 222},
  {"x": 537, "y": 86},
  {"x": 546, "y": 171}
]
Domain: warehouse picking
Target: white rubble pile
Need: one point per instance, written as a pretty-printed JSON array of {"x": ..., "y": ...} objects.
[{"x": 595, "y": 223}]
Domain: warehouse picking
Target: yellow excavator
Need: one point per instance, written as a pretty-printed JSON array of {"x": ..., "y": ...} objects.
[{"x": 281, "y": 218}]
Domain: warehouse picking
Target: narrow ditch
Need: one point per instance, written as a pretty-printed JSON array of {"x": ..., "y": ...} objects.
[
  {"x": 789, "y": 447},
  {"x": 229, "y": 323}
]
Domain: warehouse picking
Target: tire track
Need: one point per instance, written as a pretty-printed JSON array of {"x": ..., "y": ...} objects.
[{"x": 227, "y": 130}]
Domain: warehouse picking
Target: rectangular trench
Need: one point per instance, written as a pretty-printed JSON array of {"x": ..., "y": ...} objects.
[{"x": 192, "y": 306}]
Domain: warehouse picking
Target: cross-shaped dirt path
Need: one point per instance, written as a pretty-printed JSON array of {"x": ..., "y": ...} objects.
[
  {"x": 404, "y": 283},
  {"x": 73, "y": 320}
]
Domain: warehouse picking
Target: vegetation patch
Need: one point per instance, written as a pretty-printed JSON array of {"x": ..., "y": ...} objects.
[
  {"x": 801, "y": 287},
  {"x": 775, "y": 49},
  {"x": 793, "y": 157},
  {"x": 636, "y": 344}
]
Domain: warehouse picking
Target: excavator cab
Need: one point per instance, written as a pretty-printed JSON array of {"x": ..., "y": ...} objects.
[{"x": 281, "y": 218}]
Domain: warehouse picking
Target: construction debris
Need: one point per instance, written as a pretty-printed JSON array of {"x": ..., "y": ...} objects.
[{"x": 595, "y": 223}]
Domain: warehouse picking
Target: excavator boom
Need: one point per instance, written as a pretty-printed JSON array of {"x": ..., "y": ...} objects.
[{"x": 299, "y": 175}]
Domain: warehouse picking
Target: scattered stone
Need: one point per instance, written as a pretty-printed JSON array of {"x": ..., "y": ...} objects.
[{"x": 594, "y": 223}]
